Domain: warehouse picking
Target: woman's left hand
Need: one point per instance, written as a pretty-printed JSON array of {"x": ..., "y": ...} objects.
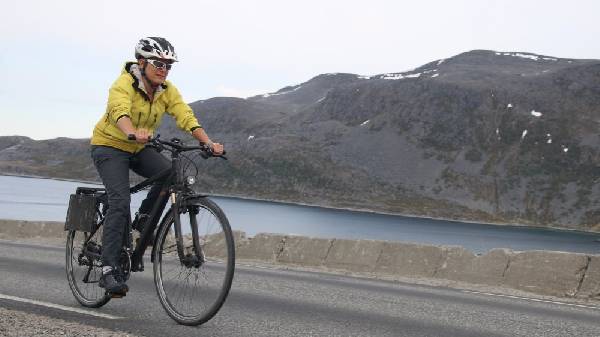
[{"x": 217, "y": 149}]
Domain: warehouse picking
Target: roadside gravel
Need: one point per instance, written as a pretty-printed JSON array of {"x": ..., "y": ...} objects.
[{"x": 21, "y": 324}]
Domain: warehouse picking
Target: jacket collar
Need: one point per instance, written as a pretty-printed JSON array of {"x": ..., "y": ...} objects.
[{"x": 134, "y": 70}]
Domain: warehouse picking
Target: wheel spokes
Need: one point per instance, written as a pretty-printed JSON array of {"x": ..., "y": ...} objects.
[{"x": 194, "y": 286}]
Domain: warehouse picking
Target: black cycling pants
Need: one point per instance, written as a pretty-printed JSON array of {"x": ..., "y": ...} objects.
[{"x": 113, "y": 166}]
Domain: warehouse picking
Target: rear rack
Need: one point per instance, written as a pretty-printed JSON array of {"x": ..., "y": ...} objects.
[{"x": 89, "y": 190}]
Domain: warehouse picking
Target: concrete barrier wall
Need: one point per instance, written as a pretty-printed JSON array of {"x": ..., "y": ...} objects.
[
  {"x": 310, "y": 252},
  {"x": 541, "y": 272},
  {"x": 462, "y": 265},
  {"x": 407, "y": 259},
  {"x": 590, "y": 286},
  {"x": 263, "y": 247},
  {"x": 15, "y": 229},
  {"x": 353, "y": 255}
]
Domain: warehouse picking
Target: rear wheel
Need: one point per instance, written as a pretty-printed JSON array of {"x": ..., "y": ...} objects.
[
  {"x": 84, "y": 268},
  {"x": 192, "y": 284}
]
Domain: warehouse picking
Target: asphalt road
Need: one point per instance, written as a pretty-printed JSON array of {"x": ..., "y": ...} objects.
[{"x": 271, "y": 302}]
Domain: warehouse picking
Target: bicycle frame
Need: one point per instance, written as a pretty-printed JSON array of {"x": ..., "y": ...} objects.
[
  {"x": 179, "y": 194},
  {"x": 172, "y": 188},
  {"x": 153, "y": 218}
]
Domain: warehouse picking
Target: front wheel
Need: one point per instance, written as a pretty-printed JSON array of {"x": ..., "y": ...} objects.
[{"x": 193, "y": 280}]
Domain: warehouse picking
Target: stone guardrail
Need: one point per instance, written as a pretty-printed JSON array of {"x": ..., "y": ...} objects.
[{"x": 542, "y": 272}]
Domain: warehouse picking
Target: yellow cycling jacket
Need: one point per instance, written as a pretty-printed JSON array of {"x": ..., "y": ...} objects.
[{"x": 127, "y": 97}]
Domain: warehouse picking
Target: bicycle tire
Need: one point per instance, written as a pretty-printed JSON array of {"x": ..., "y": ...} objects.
[
  {"x": 203, "y": 300},
  {"x": 87, "y": 294}
]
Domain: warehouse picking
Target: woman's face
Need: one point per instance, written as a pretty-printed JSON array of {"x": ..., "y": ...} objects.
[{"x": 156, "y": 70}]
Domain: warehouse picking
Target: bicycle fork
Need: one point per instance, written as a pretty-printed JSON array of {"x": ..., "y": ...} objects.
[{"x": 197, "y": 258}]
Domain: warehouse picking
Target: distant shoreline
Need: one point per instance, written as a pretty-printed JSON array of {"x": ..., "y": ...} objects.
[
  {"x": 518, "y": 225},
  {"x": 48, "y": 178},
  {"x": 330, "y": 207}
]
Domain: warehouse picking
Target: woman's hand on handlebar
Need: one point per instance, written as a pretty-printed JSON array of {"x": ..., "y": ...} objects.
[
  {"x": 139, "y": 135},
  {"x": 142, "y": 136},
  {"x": 215, "y": 148}
]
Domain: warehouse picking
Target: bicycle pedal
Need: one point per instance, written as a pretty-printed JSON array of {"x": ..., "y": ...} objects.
[{"x": 117, "y": 295}]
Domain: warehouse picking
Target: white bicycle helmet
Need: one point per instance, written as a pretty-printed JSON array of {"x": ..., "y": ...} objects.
[{"x": 155, "y": 47}]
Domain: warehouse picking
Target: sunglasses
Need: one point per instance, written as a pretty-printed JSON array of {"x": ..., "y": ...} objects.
[{"x": 160, "y": 64}]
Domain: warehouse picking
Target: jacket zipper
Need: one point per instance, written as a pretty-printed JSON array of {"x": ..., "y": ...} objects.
[
  {"x": 138, "y": 119},
  {"x": 149, "y": 114},
  {"x": 140, "y": 115}
]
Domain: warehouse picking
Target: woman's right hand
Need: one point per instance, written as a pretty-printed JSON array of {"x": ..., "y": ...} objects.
[{"x": 142, "y": 136}]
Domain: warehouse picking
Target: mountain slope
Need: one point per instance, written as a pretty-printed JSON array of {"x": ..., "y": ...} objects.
[{"x": 486, "y": 136}]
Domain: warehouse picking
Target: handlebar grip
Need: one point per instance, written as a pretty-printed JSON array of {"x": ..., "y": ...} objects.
[
  {"x": 222, "y": 155},
  {"x": 207, "y": 153}
]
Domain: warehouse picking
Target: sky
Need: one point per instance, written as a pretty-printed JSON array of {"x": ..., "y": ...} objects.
[{"x": 58, "y": 58}]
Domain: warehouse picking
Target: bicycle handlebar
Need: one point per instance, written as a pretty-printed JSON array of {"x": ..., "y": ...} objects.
[{"x": 177, "y": 146}]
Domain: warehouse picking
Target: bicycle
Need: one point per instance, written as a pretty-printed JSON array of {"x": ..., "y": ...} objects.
[{"x": 192, "y": 272}]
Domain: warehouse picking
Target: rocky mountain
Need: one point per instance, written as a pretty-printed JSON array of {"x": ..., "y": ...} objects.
[
  {"x": 57, "y": 158},
  {"x": 488, "y": 136}
]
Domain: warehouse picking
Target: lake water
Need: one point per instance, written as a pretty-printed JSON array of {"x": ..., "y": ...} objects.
[{"x": 46, "y": 199}]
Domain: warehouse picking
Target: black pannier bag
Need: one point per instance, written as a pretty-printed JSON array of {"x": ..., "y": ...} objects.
[{"x": 82, "y": 213}]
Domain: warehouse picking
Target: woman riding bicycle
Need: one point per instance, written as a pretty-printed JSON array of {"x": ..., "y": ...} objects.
[{"x": 137, "y": 101}]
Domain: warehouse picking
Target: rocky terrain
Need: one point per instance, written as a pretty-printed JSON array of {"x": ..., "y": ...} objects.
[{"x": 486, "y": 136}]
